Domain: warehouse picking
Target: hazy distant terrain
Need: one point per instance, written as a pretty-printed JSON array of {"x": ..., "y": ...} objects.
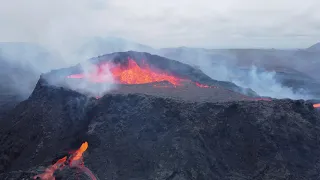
[
  {"x": 303, "y": 60},
  {"x": 270, "y": 72},
  {"x": 16, "y": 83},
  {"x": 279, "y": 73},
  {"x": 296, "y": 69},
  {"x": 292, "y": 60}
]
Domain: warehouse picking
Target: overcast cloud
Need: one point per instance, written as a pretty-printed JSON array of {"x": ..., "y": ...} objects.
[{"x": 164, "y": 23}]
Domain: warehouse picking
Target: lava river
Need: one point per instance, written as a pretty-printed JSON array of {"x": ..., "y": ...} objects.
[{"x": 74, "y": 160}]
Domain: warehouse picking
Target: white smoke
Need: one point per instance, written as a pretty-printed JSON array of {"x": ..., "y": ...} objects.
[
  {"x": 57, "y": 29},
  {"x": 265, "y": 84},
  {"x": 225, "y": 68},
  {"x": 93, "y": 84}
]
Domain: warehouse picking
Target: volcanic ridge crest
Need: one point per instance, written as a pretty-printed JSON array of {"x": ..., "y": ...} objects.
[{"x": 145, "y": 73}]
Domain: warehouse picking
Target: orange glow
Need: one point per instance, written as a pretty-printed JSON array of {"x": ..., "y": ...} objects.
[
  {"x": 78, "y": 154},
  {"x": 316, "y": 105},
  {"x": 74, "y": 161},
  {"x": 131, "y": 74},
  {"x": 61, "y": 161},
  {"x": 48, "y": 173},
  {"x": 202, "y": 85}
]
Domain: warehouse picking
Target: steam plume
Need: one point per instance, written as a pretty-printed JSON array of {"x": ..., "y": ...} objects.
[
  {"x": 225, "y": 68},
  {"x": 62, "y": 27}
]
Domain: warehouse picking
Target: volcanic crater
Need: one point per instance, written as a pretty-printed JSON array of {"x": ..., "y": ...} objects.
[
  {"x": 135, "y": 72},
  {"x": 165, "y": 120}
]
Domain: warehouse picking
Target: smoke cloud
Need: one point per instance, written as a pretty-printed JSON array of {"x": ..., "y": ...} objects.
[
  {"x": 266, "y": 84},
  {"x": 56, "y": 34},
  {"x": 47, "y": 36},
  {"x": 86, "y": 86},
  {"x": 224, "y": 66},
  {"x": 202, "y": 23}
]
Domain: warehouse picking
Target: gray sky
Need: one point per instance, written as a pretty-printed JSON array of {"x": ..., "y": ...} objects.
[{"x": 164, "y": 23}]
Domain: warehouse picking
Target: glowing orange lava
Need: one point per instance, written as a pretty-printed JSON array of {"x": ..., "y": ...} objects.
[
  {"x": 75, "y": 160},
  {"x": 202, "y": 85},
  {"x": 78, "y": 154},
  {"x": 316, "y": 105},
  {"x": 48, "y": 173},
  {"x": 131, "y": 74}
]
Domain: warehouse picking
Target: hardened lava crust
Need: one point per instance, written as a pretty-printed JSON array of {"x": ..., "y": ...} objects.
[{"x": 144, "y": 136}]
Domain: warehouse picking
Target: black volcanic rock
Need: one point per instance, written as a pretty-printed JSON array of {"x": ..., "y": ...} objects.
[
  {"x": 188, "y": 92},
  {"x": 44, "y": 120},
  {"x": 138, "y": 136}
]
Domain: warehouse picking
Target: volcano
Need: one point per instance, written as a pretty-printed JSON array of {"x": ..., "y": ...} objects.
[
  {"x": 135, "y": 72},
  {"x": 144, "y": 68},
  {"x": 186, "y": 127}
]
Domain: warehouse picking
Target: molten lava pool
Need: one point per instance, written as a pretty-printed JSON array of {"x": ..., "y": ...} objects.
[
  {"x": 131, "y": 74},
  {"x": 148, "y": 80}
]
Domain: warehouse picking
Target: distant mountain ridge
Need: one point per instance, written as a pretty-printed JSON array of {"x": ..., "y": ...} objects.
[{"x": 315, "y": 47}]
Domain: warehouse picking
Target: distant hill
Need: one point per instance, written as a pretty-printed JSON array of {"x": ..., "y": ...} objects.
[{"x": 315, "y": 47}]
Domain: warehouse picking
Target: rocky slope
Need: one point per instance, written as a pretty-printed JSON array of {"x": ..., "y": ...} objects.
[{"x": 139, "y": 136}]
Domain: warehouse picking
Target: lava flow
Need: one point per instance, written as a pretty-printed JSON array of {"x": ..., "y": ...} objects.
[
  {"x": 48, "y": 173},
  {"x": 316, "y": 105},
  {"x": 202, "y": 85},
  {"x": 75, "y": 160},
  {"x": 131, "y": 74}
]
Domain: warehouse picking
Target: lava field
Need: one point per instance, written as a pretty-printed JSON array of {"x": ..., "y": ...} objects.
[{"x": 161, "y": 120}]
